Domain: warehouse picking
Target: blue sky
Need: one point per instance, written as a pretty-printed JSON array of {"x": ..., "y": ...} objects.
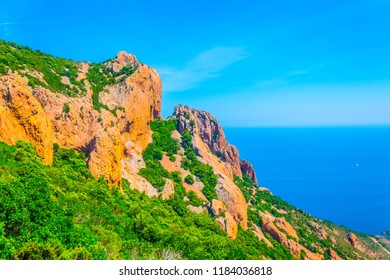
[{"x": 249, "y": 63}]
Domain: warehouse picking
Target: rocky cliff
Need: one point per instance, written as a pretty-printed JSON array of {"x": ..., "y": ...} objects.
[
  {"x": 110, "y": 111},
  {"x": 211, "y": 146},
  {"x": 112, "y": 136},
  {"x": 210, "y": 133},
  {"x": 23, "y": 118}
]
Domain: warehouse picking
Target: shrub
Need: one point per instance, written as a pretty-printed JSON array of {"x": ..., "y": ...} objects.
[
  {"x": 194, "y": 199},
  {"x": 66, "y": 108},
  {"x": 189, "y": 179}
]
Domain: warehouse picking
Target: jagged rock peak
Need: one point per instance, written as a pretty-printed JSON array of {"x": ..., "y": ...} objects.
[
  {"x": 210, "y": 132},
  {"x": 248, "y": 170},
  {"x": 121, "y": 60}
]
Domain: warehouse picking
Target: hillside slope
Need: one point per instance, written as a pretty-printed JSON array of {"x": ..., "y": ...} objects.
[{"x": 106, "y": 178}]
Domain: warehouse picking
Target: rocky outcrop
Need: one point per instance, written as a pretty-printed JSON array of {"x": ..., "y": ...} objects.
[
  {"x": 211, "y": 133},
  {"x": 247, "y": 169},
  {"x": 217, "y": 207},
  {"x": 105, "y": 158},
  {"x": 333, "y": 255},
  {"x": 121, "y": 60},
  {"x": 210, "y": 144},
  {"x": 320, "y": 230},
  {"x": 281, "y": 230},
  {"x": 228, "y": 224},
  {"x": 197, "y": 209},
  {"x": 286, "y": 227},
  {"x": 298, "y": 251},
  {"x": 235, "y": 202},
  {"x": 231, "y": 226},
  {"x": 23, "y": 118},
  {"x": 352, "y": 239},
  {"x": 269, "y": 227},
  {"x": 169, "y": 189},
  {"x": 260, "y": 235},
  {"x": 112, "y": 139},
  {"x": 74, "y": 121}
]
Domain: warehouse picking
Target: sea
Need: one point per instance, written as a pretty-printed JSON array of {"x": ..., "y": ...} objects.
[{"x": 341, "y": 174}]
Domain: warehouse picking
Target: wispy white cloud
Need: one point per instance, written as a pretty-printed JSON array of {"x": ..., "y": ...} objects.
[
  {"x": 204, "y": 66},
  {"x": 280, "y": 80}
]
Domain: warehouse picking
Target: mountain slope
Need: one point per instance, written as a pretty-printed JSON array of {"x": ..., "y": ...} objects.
[{"x": 107, "y": 178}]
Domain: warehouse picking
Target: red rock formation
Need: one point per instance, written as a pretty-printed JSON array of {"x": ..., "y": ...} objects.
[
  {"x": 217, "y": 207},
  {"x": 235, "y": 202},
  {"x": 23, "y": 118},
  {"x": 210, "y": 132},
  {"x": 351, "y": 238},
  {"x": 209, "y": 142},
  {"x": 113, "y": 142},
  {"x": 260, "y": 235},
  {"x": 333, "y": 255},
  {"x": 296, "y": 250},
  {"x": 286, "y": 227},
  {"x": 228, "y": 224},
  {"x": 248, "y": 170}
]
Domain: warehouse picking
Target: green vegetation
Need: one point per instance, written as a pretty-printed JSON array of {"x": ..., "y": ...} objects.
[
  {"x": 47, "y": 71},
  {"x": 31, "y": 64},
  {"x": 309, "y": 237},
  {"x": 62, "y": 212},
  {"x": 245, "y": 184},
  {"x": 66, "y": 108},
  {"x": 194, "y": 199},
  {"x": 162, "y": 143},
  {"x": 203, "y": 171},
  {"x": 189, "y": 179}
]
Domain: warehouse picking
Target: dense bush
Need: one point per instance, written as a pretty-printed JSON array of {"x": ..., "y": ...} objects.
[
  {"x": 62, "y": 212},
  {"x": 25, "y": 60},
  {"x": 245, "y": 184},
  {"x": 193, "y": 199},
  {"x": 162, "y": 143},
  {"x": 189, "y": 179}
]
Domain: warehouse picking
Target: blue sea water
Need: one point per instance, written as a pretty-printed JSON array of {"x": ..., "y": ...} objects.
[{"x": 341, "y": 174}]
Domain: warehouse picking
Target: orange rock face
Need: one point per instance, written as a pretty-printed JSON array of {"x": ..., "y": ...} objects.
[
  {"x": 23, "y": 118},
  {"x": 286, "y": 227},
  {"x": 209, "y": 141},
  {"x": 228, "y": 224},
  {"x": 333, "y": 255},
  {"x": 105, "y": 158},
  {"x": 113, "y": 142},
  {"x": 269, "y": 227},
  {"x": 297, "y": 250},
  {"x": 217, "y": 207},
  {"x": 260, "y": 235},
  {"x": 235, "y": 202},
  {"x": 351, "y": 238}
]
